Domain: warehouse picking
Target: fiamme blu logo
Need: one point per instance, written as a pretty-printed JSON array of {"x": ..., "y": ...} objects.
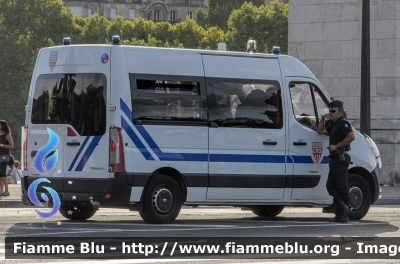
[{"x": 44, "y": 162}]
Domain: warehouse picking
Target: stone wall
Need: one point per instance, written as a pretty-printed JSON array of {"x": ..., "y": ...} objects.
[{"x": 326, "y": 36}]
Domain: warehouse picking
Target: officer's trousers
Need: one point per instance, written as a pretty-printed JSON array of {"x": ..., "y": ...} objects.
[{"x": 337, "y": 183}]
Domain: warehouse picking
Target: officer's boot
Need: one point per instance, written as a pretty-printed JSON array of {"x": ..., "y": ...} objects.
[
  {"x": 337, "y": 216},
  {"x": 344, "y": 213},
  {"x": 334, "y": 219}
]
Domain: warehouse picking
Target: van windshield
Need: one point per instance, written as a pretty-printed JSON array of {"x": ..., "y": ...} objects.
[{"x": 78, "y": 100}]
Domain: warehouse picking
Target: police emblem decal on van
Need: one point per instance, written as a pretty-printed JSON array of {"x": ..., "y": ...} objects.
[
  {"x": 53, "y": 59},
  {"x": 104, "y": 58},
  {"x": 45, "y": 159},
  {"x": 317, "y": 151}
]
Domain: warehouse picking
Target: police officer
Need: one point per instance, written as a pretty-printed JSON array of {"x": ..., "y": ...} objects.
[{"x": 340, "y": 136}]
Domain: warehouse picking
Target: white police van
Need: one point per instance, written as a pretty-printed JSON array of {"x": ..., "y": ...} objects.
[{"x": 152, "y": 129}]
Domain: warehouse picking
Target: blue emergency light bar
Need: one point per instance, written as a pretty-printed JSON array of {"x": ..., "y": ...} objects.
[
  {"x": 276, "y": 50},
  {"x": 67, "y": 41},
  {"x": 116, "y": 40}
]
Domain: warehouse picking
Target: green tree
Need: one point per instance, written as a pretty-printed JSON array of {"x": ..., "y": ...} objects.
[
  {"x": 278, "y": 31},
  {"x": 163, "y": 33},
  {"x": 76, "y": 35},
  {"x": 201, "y": 17},
  {"x": 25, "y": 27},
  {"x": 115, "y": 28},
  {"x": 138, "y": 29},
  {"x": 150, "y": 42},
  {"x": 212, "y": 37},
  {"x": 243, "y": 25},
  {"x": 188, "y": 33},
  {"x": 266, "y": 24},
  {"x": 219, "y": 11},
  {"x": 95, "y": 30}
]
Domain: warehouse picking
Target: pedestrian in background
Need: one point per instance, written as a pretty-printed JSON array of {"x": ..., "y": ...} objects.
[
  {"x": 6, "y": 144},
  {"x": 11, "y": 171},
  {"x": 19, "y": 171}
]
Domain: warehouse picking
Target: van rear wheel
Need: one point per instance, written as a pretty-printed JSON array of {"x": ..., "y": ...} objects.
[
  {"x": 161, "y": 200},
  {"x": 360, "y": 197},
  {"x": 268, "y": 210},
  {"x": 77, "y": 213}
]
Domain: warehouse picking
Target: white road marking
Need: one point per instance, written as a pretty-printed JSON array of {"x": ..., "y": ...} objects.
[{"x": 188, "y": 228}]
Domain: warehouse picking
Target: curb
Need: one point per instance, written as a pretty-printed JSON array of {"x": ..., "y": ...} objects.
[
  {"x": 388, "y": 201},
  {"x": 12, "y": 204}
]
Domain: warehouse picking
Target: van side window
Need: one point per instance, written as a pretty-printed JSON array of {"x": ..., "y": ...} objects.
[
  {"x": 167, "y": 99},
  {"x": 308, "y": 104},
  {"x": 245, "y": 103},
  {"x": 78, "y": 100}
]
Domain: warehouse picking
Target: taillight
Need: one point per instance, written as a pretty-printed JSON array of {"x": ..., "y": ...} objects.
[
  {"x": 24, "y": 150},
  {"x": 70, "y": 132},
  {"x": 116, "y": 151}
]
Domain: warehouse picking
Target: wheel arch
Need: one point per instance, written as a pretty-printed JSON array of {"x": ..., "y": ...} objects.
[
  {"x": 175, "y": 175},
  {"x": 370, "y": 180}
]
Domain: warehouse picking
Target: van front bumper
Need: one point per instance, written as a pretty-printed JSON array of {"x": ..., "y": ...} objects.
[{"x": 377, "y": 188}]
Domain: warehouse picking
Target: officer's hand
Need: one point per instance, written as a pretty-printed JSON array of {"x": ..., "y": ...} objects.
[
  {"x": 332, "y": 148},
  {"x": 327, "y": 117}
]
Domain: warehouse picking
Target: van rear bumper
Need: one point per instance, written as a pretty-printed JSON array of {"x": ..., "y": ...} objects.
[{"x": 107, "y": 191}]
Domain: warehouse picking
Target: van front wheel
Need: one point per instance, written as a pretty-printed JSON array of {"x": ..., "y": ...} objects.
[
  {"x": 161, "y": 200},
  {"x": 77, "y": 213},
  {"x": 360, "y": 197},
  {"x": 268, "y": 210}
]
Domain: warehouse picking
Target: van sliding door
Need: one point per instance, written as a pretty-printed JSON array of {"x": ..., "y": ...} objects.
[{"x": 247, "y": 138}]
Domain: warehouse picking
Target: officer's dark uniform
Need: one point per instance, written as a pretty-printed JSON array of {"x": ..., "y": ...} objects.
[{"x": 337, "y": 183}]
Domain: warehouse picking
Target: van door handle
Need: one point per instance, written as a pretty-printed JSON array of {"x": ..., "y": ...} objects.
[
  {"x": 269, "y": 142},
  {"x": 300, "y": 143},
  {"x": 73, "y": 143}
]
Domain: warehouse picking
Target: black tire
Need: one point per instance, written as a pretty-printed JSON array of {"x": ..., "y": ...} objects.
[
  {"x": 360, "y": 197},
  {"x": 77, "y": 213},
  {"x": 161, "y": 200},
  {"x": 268, "y": 210}
]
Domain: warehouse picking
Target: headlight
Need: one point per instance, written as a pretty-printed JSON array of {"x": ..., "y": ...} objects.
[{"x": 375, "y": 149}]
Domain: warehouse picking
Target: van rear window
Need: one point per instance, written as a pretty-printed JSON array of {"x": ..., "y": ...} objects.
[{"x": 78, "y": 100}]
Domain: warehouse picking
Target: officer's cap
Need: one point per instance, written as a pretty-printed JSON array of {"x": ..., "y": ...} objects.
[{"x": 336, "y": 103}]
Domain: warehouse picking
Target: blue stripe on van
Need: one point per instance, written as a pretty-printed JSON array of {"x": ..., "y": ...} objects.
[
  {"x": 306, "y": 159},
  {"x": 325, "y": 160},
  {"x": 78, "y": 153},
  {"x": 183, "y": 157},
  {"x": 88, "y": 153},
  {"x": 302, "y": 159},
  {"x": 149, "y": 140},
  {"x": 169, "y": 156},
  {"x": 126, "y": 110},
  {"x": 139, "y": 145},
  {"x": 247, "y": 158}
]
